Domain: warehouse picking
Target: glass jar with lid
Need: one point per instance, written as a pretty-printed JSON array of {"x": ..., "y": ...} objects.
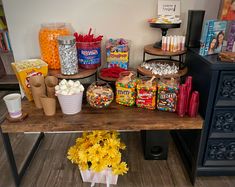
[
  {"x": 167, "y": 94},
  {"x": 126, "y": 88},
  {"x": 48, "y": 35},
  {"x": 146, "y": 93},
  {"x": 99, "y": 94},
  {"x": 68, "y": 55}
]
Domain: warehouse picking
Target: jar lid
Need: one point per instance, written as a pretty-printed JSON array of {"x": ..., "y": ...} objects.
[{"x": 66, "y": 40}]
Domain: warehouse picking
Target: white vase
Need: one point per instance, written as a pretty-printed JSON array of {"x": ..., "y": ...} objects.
[{"x": 104, "y": 177}]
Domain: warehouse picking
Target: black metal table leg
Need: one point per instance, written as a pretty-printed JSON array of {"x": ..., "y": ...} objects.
[{"x": 18, "y": 174}]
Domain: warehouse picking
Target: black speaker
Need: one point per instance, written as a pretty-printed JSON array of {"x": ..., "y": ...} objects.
[
  {"x": 194, "y": 28},
  {"x": 155, "y": 144}
]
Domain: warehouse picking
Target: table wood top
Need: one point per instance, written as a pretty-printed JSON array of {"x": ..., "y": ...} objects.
[{"x": 115, "y": 117}]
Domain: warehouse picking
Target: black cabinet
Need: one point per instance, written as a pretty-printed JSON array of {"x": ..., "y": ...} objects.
[{"x": 210, "y": 151}]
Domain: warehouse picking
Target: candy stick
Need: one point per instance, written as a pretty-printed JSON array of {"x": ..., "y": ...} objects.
[{"x": 89, "y": 33}]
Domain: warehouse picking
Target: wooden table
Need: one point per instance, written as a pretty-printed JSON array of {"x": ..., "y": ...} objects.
[{"x": 115, "y": 117}]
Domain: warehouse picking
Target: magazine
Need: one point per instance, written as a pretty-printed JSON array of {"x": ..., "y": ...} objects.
[{"x": 212, "y": 37}]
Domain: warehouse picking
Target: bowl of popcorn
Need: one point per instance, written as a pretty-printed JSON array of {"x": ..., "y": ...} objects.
[{"x": 70, "y": 94}]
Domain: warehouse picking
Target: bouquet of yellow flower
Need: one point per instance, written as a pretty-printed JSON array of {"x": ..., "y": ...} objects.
[{"x": 97, "y": 151}]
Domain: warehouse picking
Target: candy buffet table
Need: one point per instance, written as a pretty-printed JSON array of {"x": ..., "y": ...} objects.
[{"x": 115, "y": 117}]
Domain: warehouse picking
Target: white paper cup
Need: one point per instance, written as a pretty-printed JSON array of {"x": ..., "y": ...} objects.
[
  {"x": 13, "y": 103},
  {"x": 70, "y": 104}
]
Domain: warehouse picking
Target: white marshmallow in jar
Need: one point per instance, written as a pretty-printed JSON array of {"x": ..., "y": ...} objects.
[{"x": 68, "y": 55}]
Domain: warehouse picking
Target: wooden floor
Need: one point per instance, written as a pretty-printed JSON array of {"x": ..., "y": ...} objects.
[{"x": 50, "y": 166}]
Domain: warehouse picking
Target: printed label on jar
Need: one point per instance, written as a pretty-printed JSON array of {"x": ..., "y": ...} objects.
[
  {"x": 89, "y": 56},
  {"x": 125, "y": 96},
  {"x": 167, "y": 101},
  {"x": 146, "y": 98}
]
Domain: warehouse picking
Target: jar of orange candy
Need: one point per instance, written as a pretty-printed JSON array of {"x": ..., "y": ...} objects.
[{"x": 48, "y": 35}]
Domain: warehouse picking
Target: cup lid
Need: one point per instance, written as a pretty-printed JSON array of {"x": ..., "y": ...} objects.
[{"x": 66, "y": 40}]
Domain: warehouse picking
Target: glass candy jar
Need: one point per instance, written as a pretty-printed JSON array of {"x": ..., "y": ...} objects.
[
  {"x": 99, "y": 94},
  {"x": 68, "y": 55},
  {"x": 167, "y": 94},
  {"x": 126, "y": 88},
  {"x": 146, "y": 93},
  {"x": 48, "y": 35},
  {"x": 89, "y": 54}
]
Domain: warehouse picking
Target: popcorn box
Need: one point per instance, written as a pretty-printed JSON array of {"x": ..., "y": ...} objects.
[{"x": 25, "y": 69}]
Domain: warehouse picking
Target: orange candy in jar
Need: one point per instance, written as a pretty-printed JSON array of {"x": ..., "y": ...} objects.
[{"x": 48, "y": 35}]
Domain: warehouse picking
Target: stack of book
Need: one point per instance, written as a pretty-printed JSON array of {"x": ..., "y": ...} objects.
[{"x": 5, "y": 44}]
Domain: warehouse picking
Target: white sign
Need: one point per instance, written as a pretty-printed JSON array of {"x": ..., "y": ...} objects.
[{"x": 169, "y": 7}]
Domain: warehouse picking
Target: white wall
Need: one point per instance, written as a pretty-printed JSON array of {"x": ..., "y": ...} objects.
[{"x": 112, "y": 18}]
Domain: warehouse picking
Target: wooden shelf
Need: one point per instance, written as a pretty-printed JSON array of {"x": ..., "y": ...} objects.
[
  {"x": 114, "y": 117},
  {"x": 149, "y": 49},
  {"x": 143, "y": 71},
  {"x": 82, "y": 73}
]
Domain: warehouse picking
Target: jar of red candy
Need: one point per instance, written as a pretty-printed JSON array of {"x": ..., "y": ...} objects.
[
  {"x": 99, "y": 94},
  {"x": 167, "y": 94},
  {"x": 89, "y": 50},
  {"x": 126, "y": 88},
  {"x": 89, "y": 54},
  {"x": 146, "y": 93}
]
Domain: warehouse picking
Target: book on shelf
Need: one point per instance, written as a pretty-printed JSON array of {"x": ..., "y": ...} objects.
[
  {"x": 231, "y": 37},
  {"x": 212, "y": 37},
  {"x": 5, "y": 44}
]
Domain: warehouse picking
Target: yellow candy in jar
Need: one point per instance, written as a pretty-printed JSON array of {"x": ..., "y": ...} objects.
[{"x": 48, "y": 42}]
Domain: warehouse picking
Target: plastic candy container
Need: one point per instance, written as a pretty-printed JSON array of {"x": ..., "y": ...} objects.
[
  {"x": 126, "y": 88},
  {"x": 48, "y": 35},
  {"x": 68, "y": 55},
  {"x": 99, "y": 94},
  {"x": 117, "y": 52},
  {"x": 167, "y": 94},
  {"x": 146, "y": 93},
  {"x": 89, "y": 50},
  {"x": 89, "y": 54}
]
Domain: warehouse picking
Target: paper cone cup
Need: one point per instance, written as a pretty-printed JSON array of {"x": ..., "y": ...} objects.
[
  {"x": 51, "y": 82},
  {"x": 48, "y": 105},
  {"x": 37, "y": 88}
]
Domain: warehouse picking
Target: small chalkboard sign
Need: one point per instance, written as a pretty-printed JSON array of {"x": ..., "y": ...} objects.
[{"x": 169, "y": 7}]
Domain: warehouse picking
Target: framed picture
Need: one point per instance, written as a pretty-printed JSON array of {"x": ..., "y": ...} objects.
[
  {"x": 227, "y": 10},
  {"x": 169, "y": 7}
]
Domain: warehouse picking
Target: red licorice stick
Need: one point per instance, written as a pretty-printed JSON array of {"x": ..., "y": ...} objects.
[
  {"x": 181, "y": 103},
  {"x": 88, "y": 37},
  {"x": 89, "y": 33},
  {"x": 194, "y": 104}
]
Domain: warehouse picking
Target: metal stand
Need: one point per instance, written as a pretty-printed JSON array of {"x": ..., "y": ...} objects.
[{"x": 18, "y": 174}]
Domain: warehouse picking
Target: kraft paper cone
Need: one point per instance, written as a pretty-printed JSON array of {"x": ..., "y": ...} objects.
[
  {"x": 51, "y": 82},
  {"x": 38, "y": 89},
  {"x": 48, "y": 105}
]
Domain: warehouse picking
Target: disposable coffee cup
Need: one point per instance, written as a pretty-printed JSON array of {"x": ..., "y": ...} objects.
[{"x": 13, "y": 103}]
